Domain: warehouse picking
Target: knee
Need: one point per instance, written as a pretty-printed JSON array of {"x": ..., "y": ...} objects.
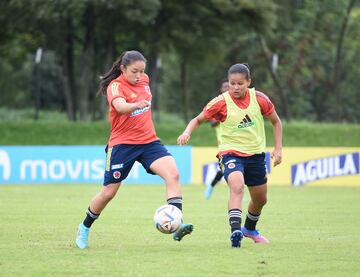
[
  {"x": 237, "y": 190},
  {"x": 261, "y": 201},
  {"x": 172, "y": 176}
]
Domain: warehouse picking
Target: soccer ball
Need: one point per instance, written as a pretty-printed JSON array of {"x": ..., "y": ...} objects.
[{"x": 167, "y": 219}]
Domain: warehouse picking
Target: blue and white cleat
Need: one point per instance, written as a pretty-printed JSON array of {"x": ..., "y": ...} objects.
[
  {"x": 184, "y": 229},
  {"x": 236, "y": 238},
  {"x": 208, "y": 192},
  {"x": 82, "y": 236}
]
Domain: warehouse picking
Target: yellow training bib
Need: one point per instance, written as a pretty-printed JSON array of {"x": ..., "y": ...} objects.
[{"x": 243, "y": 130}]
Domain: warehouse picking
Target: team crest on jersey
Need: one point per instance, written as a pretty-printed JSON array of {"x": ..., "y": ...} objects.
[
  {"x": 231, "y": 165},
  {"x": 147, "y": 88},
  {"x": 116, "y": 174}
]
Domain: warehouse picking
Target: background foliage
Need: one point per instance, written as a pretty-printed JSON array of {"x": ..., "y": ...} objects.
[{"x": 189, "y": 46}]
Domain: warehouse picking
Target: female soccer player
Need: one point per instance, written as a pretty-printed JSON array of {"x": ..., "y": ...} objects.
[
  {"x": 215, "y": 124},
  {"x": 241, "y": 147},
  {"x": 132, "y": 138}
]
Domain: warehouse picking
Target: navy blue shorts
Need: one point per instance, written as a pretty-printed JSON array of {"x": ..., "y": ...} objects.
[
  {"x": 120, "y": 159},
  {"x": 252, "y": 167}
]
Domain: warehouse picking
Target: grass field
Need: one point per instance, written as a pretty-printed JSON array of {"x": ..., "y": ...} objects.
[
  {"x": 19, "y": 128},
  {"x": 314, "y": 231},
  {"x": 80, "y": 133}
]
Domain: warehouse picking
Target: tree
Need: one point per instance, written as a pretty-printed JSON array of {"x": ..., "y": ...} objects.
[{"x": 198, "y": 29}]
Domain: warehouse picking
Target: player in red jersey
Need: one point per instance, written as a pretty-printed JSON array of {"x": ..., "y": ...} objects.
[{"x": 132, "y": 138}]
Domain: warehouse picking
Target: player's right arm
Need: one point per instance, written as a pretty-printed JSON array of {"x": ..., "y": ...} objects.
[
  {"x": 122, "y": 107},
  {"x": 117, "y": 98},
  {"x": 193, "y": 125},
  {"x": 215, "y": 110}
]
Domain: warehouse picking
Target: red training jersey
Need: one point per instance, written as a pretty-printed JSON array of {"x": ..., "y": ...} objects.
[
  {"x": 216, "y": 110},
  {"x": 136, "y": 127}
]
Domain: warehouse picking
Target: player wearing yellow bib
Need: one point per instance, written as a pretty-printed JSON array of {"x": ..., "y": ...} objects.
[{"x": 241, "y": 148}]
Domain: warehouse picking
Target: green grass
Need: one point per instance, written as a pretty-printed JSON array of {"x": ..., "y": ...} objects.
[
  {"x": 312, "y": 230},
  {"x": 318, "y": 134},
  {"x": 18, "y": 127},
  {"x": 28, "y": 115},
  {"x": 96, "y": 133}
]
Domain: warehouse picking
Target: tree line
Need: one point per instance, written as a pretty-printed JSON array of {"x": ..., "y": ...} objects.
[{"x": 303, "y": 54}]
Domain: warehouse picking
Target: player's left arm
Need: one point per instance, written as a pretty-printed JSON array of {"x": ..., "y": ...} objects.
[
  {"x": 276, "y": 154},
  {"x": 268, "y": 111}
]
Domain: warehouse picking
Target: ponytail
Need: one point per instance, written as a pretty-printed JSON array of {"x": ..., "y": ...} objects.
[
  {"x": 125, "y": 59},
  {"x": 112, "y": 74}
]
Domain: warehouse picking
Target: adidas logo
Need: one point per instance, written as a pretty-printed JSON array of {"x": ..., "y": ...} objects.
[{"x": 246, "y": 122}]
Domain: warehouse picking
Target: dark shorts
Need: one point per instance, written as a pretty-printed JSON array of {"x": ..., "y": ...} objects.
[
  {"x": 252, "y": 167},
  {"x": 120, "y": 159}
]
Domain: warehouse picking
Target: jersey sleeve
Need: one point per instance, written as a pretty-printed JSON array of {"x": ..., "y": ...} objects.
[
  {"x": 216, "y": 110},
  {"x": 114, "y": 91},
  {"x": 266, "y": 106}
]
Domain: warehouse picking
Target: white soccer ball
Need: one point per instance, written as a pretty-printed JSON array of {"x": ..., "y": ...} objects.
[{"x": 167, "y": 219}]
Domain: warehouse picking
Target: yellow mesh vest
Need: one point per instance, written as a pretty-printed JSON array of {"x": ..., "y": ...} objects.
[
  {"x": 218, "y": 134},
  {"x": 243, "y": 130}
]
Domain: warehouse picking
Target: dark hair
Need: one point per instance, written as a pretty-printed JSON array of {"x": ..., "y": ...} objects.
[
  {"x": 125, "y": 59},
  {"x": 223, "y": 81},
  {"x": 242, "y": 68}
]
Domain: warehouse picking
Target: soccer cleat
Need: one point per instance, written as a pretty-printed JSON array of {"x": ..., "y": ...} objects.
[
  {"x": 184, "y": 229},
  {"x": 82, "y": 236},
  {"x": 209, "y": 190},
  {"x": 236, "y": 238},
  {"x": 254, "y": 235}
]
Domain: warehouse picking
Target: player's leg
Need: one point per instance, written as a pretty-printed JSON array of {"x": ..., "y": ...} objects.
[
  {"x": 119, "y": 160},
  {"x": 233, "y": 168},
  {"x": 235, "y": 182},
  {"x": 166, "y": 168},
  {"x": 257, "y": 186},
  {"x": 100, "y": 200},
  {"x": 257, "y": 202},
  {"x": 97, "y": 204},
  {"x": 156, "y": 159},
  {"x": 258, "y": 199},
  {"x": 210, "y": 187},
  {"x": 217, "y": 178}
]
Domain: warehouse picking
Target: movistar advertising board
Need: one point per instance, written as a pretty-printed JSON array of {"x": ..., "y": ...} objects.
[
  {"x": 75, "y": 164},
  {"x": 196, "y": 165}
]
